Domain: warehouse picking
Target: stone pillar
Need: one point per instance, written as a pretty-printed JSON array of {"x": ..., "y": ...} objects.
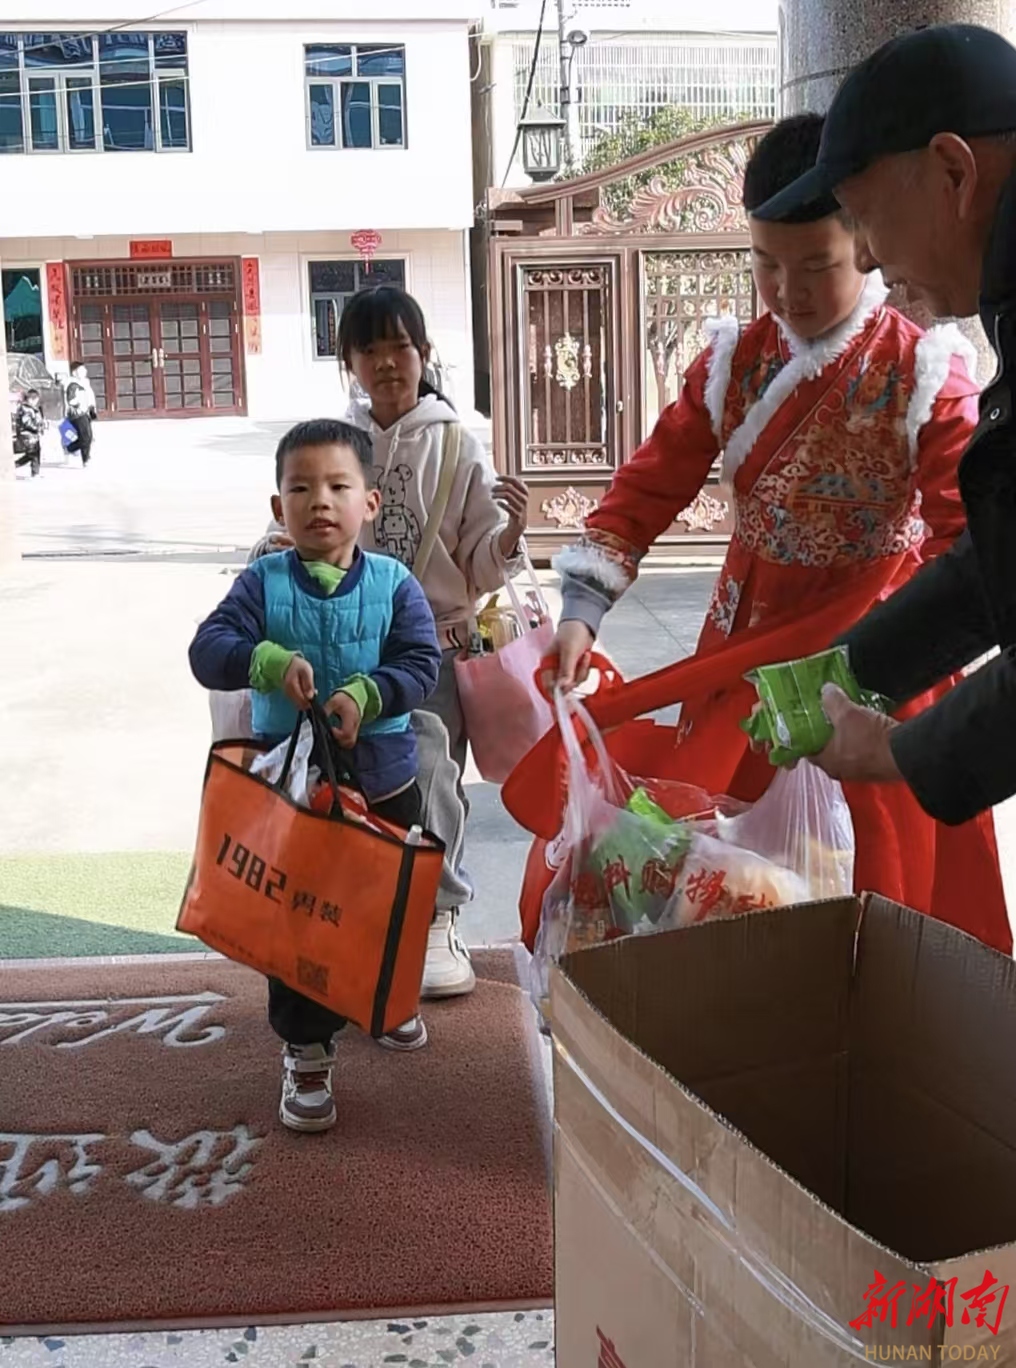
[
  {"x": 820, "y": 40},
  {"x": 9, "y": 553}
]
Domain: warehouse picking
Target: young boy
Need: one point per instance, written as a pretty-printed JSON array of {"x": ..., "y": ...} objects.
[
  {"x": 29, "y": 426},
  {"x": 840, "y": 425},
  {"x": 328, "y": 620}
]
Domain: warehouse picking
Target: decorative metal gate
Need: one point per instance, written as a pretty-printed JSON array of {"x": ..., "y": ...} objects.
[
  {"x": 599, "y": 299},
  {"x": 566, "y": 317}
]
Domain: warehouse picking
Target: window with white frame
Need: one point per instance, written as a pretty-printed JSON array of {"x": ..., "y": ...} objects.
[
  {"x": 105, "y": 92},
  {"x": 356, "y": 94},
  {"x": 333, "y": 284}
]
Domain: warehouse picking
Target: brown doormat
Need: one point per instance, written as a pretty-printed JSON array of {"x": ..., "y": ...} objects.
[{"x": 145, "y": 1177}]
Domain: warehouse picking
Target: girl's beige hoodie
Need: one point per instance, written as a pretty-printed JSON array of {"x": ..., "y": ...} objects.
[{"x": 466, "y": 562}]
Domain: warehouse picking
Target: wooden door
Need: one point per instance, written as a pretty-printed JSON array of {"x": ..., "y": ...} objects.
[
  {"x": 162, "y": 341},
  {"x": 221, "y": 334},
  {"x": 179, "y": 356},
  {"x": 92, "y": 329},
  {"x": 132, "y": 343}
]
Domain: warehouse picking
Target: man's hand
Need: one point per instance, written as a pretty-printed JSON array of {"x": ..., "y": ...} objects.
[
  {"x": 346, "y": 711},
  {"x": 860, "y": 749},
  {"x": 514, "y": 495},
  {"x": 298, "y": 683},
  {"x": 573, "y": 643},
  {"x": 757, "y": 747}
]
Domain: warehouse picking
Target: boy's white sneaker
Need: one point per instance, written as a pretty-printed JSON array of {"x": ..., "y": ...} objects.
[
  {"x": 447, "y": 970},
  {"x": 307, "y": 1103},
  {"x": 411, "y": 1035}
]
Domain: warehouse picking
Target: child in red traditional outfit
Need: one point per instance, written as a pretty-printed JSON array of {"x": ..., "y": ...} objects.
[{"x": 840, "y": 424}]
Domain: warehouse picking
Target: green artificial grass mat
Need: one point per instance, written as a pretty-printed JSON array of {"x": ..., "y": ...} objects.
[{"x": 115, "y": 904}]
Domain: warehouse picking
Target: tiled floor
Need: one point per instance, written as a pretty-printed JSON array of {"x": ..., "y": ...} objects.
[{"x": 504, "y": 1340}]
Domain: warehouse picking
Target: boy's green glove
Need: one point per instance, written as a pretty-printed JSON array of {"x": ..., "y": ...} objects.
[{"x": 791, "y": 720}]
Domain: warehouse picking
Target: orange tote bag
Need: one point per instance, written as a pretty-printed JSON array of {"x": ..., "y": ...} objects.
[{"x": 336, "y": 904}]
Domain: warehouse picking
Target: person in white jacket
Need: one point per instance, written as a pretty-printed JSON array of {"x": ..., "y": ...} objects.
[{"x": 382, "y": 345}]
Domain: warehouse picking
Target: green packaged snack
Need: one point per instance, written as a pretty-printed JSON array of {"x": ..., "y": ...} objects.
[
  {"x": 791, "y": 720},
  {"x": 643, "y": 806},
  {"x": 638, "y": 860}
]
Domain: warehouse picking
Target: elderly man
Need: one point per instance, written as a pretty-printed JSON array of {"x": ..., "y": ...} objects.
[{"x": 919, "y": 147}]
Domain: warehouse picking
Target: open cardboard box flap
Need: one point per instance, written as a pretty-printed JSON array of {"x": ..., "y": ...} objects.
[{"x": 758, "y": 1119}]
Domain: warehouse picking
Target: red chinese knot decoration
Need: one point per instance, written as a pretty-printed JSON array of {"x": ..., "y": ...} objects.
[{"x": 366, "y": 241}]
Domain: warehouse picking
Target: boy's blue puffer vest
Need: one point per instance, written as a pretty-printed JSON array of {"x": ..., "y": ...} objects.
[{"x": 341, "y": 635}]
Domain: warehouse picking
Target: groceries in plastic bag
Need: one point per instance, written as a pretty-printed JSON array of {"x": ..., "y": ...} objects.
[
  {"x": 634, "y": 863},
  {"x": 791, "y": 720},
  {"x": 288, "y": 768},
  {"x": 801, "y": 822},
  {"x": 302, "y": 780}
]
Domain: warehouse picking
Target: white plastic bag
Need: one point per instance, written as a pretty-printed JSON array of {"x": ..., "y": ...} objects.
[
  {"x": 803, "y": 823},
  {"x": 720, "y": 879},
  {"x": 303, "y": 777},
  {"x": 630, "y": 868},
  {"x": 231, "y": 715}
]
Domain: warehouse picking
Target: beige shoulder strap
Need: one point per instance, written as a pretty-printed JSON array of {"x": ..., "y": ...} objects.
[{"x": 451, "y": 445}]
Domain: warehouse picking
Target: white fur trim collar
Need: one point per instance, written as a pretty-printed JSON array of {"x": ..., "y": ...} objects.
[
  {"x": 723, "y": 334},
  {"x": 932, "y": 359},
  {"x": 807, "y": 360}
]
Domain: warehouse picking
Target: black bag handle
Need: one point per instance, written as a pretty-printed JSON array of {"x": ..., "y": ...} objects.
[{"x": 335, "y": 760}]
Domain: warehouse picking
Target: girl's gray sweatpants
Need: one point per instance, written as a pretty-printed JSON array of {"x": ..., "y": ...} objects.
[{"x": 442, "y": 743}]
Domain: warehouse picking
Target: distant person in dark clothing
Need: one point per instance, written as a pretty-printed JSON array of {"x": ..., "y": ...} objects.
[{"x": 29, "y": 426}]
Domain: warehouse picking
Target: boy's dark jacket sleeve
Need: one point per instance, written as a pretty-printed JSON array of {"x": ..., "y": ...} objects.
[
  {"x": 411, "y": 656},
  {"x": 959, "y": 756},
  {"x": 220, "y": 652}
]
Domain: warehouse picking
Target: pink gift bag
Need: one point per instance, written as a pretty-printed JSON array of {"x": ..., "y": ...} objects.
[{"x": 504, "y": 710}]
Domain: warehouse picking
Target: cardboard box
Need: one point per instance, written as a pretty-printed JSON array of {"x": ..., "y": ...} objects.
[{"x": 759, "y": 1120}]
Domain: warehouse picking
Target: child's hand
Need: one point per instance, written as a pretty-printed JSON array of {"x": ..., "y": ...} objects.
[
  {"x": 572, "y": 645},
  {"x": 298, "y": 683},
  {"x": 513, "y": 494},
  {"x": 346, "y": 711}
]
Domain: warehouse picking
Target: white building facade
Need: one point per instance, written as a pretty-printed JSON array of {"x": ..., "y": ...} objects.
[
  {"x": 633, "y": 57},
  {"x": 186, "y": 203}
]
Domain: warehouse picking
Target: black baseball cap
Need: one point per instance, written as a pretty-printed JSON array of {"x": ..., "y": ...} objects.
[{"x": 946, "y": 78}]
